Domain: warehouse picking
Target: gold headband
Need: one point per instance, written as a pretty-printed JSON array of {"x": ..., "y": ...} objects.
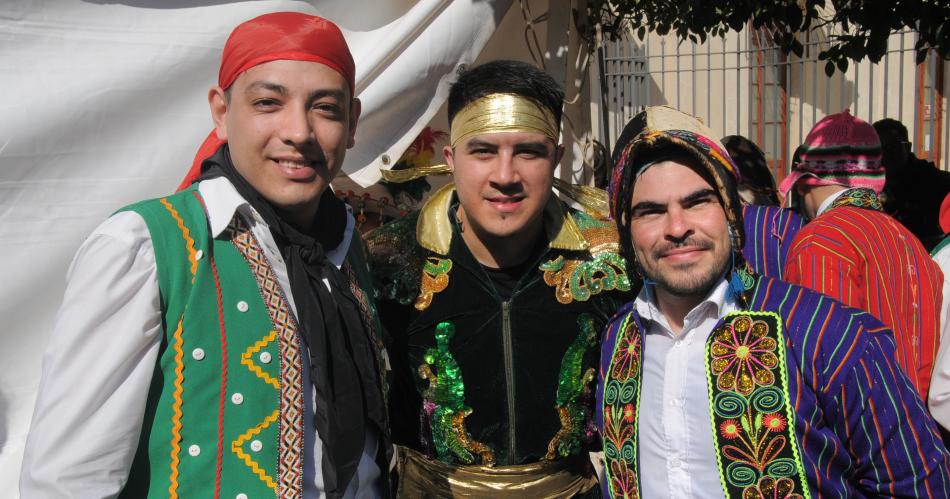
[{"x": 497, "y": 113}]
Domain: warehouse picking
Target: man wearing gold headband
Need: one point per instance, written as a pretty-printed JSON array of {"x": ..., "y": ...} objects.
[{"x": 493, "y": 295}]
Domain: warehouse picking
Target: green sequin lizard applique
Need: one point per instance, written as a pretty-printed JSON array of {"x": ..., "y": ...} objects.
[
  {"x": 573, "y": 393},
  {"x": 444, "y": 403}
]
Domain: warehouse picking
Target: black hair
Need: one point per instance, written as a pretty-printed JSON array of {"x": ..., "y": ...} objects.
[
  {"x": 891, "y": 125},
  {"x": 754, "y": 172},
  {"x": 509, "y": 77}
]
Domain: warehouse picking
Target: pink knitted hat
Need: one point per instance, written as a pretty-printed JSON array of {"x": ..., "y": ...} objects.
[{"x": 839, "y": 150}]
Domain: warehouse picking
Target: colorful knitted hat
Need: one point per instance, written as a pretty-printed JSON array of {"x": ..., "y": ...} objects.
[
  {"x": 840, "y": 150},
  {"x": 662, "y": 127}
]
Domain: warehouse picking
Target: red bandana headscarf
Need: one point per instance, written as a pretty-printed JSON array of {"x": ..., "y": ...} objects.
[{"x": 290, "y": 36}]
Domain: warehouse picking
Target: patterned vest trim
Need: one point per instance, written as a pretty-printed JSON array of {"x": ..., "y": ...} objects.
[
  {"x": 224, "y": 414},
  {"x": 752, "y": 417},
  {"x": 756, "y": 445}
]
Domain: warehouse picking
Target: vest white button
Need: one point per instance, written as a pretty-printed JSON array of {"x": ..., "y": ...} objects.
[
  {"x": 240, "y": 496},
  {"x": 198, "y": 354},
  {"x": 199, "y": 254},
  {"x": 242, "y": 306},
  {"x": 265, "y": 357},
  {"x": 256, "y": 446},
  {"x": 237, "y": 399},
  {"x": 194, "y": 450}
]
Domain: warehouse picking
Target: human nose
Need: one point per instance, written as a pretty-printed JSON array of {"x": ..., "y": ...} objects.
[
  {"x": 296, "y": 128},
  {"x": 505, "y": 171},
  {"x": 678, "y": 226}
]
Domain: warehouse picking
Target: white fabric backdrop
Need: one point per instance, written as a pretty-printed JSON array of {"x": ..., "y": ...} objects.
[{"x": 103, "y": 102}]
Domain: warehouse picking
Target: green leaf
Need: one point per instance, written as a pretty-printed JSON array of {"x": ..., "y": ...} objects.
[
  {"x": 797, "y": 48},
  {"x": 842, "y": 65}
]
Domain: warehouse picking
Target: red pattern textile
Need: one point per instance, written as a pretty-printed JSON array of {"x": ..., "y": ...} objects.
[{"x": 869, "y": 261}]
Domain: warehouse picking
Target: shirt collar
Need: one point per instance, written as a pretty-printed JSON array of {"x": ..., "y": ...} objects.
[
  {"x": 719, "y": 300},
  {"x": 222, "y": 200},
  {"x": 826, "y": 204},
  {"x": 434, "y": 228}
]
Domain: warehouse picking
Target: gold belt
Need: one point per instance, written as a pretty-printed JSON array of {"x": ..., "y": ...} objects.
[{"x": 421, "y": 477}]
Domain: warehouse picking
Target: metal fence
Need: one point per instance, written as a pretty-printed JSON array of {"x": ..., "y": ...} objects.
[{"x": 742, "y": 84}]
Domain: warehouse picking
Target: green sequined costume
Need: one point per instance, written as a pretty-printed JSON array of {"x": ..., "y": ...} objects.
[{"x": 486, "y": 381}]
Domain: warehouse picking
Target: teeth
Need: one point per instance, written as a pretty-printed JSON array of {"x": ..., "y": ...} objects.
[{"x": 293, "y": 165}]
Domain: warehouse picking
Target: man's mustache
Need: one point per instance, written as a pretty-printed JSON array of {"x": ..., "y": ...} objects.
[{"x": 690, "y": 242}]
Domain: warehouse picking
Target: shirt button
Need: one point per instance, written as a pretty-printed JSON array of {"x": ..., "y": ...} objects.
[
  {"x": 240, "y": 496},
  {"x": 256, "y": 446},
  {"x": 237, "y": 399},
  {"x": 675, "y": 463},
  {"x": 194, "y": 450},
  {"x": 199, "y": 254},
  {"x": 198, "y": 354},
  {"x": 242, "y": 306},
  {"x": 265, "y": 357}
]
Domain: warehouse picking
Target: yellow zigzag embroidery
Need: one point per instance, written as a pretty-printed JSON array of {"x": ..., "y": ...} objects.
[
  {"x": 256, "y": 347},
  {"x": 237, "y": 444},
  {"x": 176, "y": 409},
  {"x": 189, "y": 242}
]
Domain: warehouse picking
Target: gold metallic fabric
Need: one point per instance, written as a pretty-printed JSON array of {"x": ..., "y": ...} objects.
[
  {"x": 434, "y": 228},
  {"x": 591, "y": 198},
  {"x": 420, "y": 477},
  {"x": 500, "y": 113},
  {"x": 410, "y": 174}
]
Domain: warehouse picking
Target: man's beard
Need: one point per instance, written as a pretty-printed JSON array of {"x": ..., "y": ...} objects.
[{"x": 690, "y": 283}]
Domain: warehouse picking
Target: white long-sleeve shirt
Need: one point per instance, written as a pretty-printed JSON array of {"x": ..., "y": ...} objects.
[
  {"x": 102, "y": 352},
  {"x": 677, "y": 454},
  {"x": 938, "y": 399}
]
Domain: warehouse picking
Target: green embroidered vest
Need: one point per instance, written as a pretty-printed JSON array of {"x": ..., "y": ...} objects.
[{"x": 225, "y": 414}]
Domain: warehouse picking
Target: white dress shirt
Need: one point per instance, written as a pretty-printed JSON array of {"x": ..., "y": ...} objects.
[
  {"x": 102, "y": 352},
  {"x": 938, "y": 399},
  {"x": 677, "y": 454}
]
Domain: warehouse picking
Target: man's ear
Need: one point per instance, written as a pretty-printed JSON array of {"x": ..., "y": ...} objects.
[
  {"x": 447, "y": 153},
  {"x": 218, "y": 102},
  {"x": 356, "y": 107}
]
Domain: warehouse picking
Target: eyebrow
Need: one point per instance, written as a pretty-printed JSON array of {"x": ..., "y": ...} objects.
[
  {"x": 282, "y": 90},
  {"x": 689, "y": 198},
  {"x": 476, "y": 144},
  {"x": 530, "y": 146},
  {"x": 266, "y": 85},
  {"x": 698, "y": 195}
]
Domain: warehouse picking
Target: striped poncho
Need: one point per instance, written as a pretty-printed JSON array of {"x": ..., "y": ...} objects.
[
  {"x": 869, "y": 261},
  {"x": 769, "y": 232}
]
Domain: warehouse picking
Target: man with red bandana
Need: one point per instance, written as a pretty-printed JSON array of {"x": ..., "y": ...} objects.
[{"x": 218, "y": 342}]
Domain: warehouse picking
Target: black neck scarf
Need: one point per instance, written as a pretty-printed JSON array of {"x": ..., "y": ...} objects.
[{"x": 342, "y": 363}]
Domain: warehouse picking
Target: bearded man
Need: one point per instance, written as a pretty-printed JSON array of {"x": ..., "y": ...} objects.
[{"x": 717, "y": 382}]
